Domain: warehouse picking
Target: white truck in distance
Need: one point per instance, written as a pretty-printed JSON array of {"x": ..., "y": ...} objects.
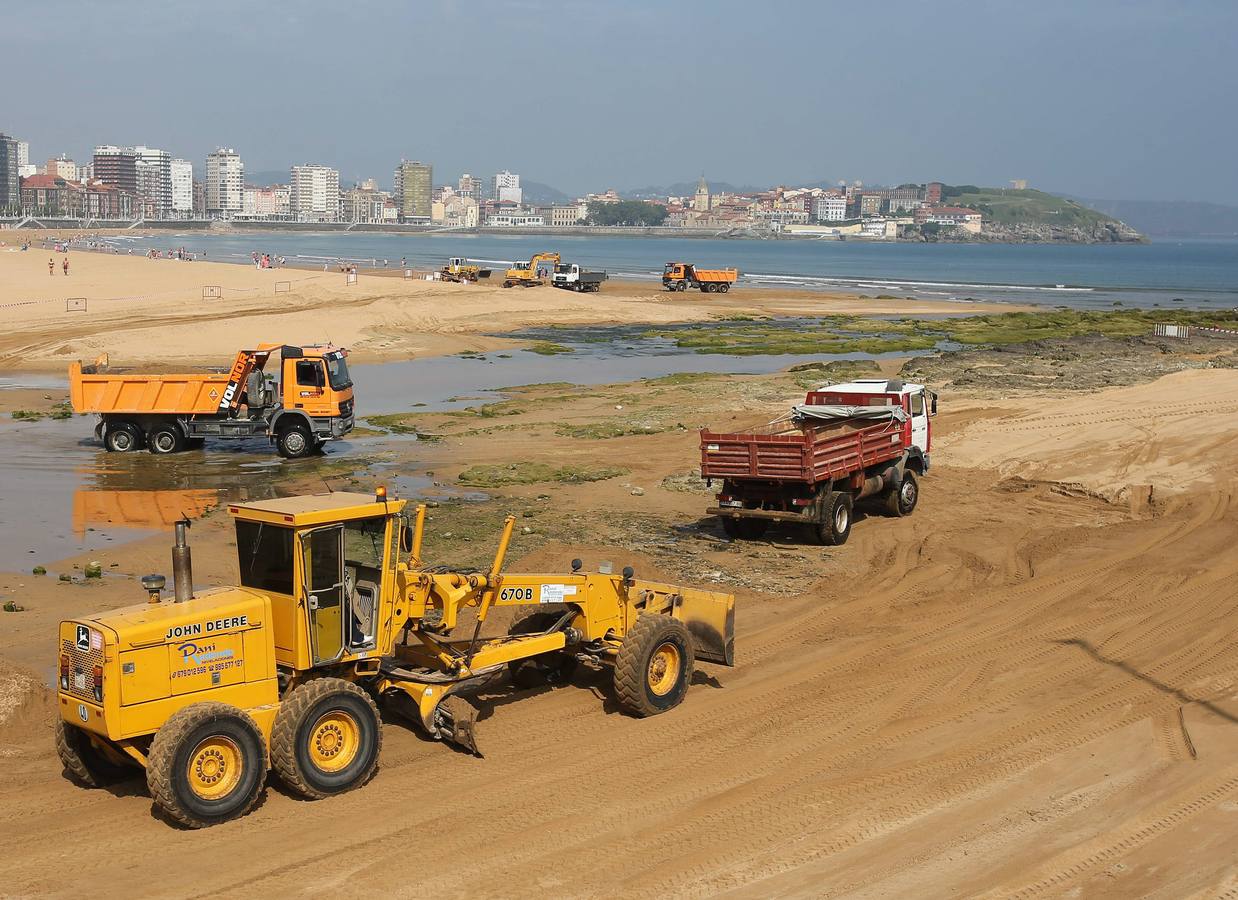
[{"x": 573, "y": 278}]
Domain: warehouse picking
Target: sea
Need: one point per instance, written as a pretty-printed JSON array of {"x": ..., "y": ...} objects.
[{"x": 1196, "y": 274}]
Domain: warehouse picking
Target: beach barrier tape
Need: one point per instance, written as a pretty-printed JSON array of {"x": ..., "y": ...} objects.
[{"x": 22, "y": 303}]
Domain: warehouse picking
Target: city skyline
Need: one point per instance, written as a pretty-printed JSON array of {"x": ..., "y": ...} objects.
[{"x": 1108, "y": 100}]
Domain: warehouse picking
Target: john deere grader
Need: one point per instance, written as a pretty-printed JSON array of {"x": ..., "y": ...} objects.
[{"x": 335, "y": 610}]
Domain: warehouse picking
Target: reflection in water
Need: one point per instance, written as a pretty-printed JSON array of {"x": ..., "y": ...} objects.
[{"x": 150, "y": 510}]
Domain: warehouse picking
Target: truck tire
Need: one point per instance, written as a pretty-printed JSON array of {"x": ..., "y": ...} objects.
[
  {"x": 682, "y": 286},
  {"x": 556, "y": 667},
  {"x": 207, "y": 764},
  {"x": 122, "y": 437},
  {"x": 327, "y": 738},
  {"x": 835, "y": 528},
  {"x": 654, "y": 666},
  {"x": 83, "y": 760},
  {"x": 724, "y": 287},
  {"x": 165, "y": 438},
  {"x": 293, "y": 441},
  {"x": 901, "y": 500}
]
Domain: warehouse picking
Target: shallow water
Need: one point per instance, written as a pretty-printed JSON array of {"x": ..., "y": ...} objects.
[{"x": 64, "y": 495}]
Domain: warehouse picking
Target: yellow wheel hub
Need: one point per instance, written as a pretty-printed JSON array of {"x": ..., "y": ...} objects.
[
  {"x": 215, "y": 767},
  {"x": 664, "y": 669},
  {"x": 334, "y": 741}
]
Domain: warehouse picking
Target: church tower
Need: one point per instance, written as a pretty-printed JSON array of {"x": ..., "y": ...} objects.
[{"x": 700, "y": 202}]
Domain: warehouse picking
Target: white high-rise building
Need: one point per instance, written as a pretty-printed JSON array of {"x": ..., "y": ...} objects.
[
  {"x": 506, "y": 186},
  {"x": 154, "y": 169},
  {"x": 314, "y": 194},
  {"x": 225, "y": 183},
  {"x": 182, "y": 188},
  {"x": 24, "y": 169}
]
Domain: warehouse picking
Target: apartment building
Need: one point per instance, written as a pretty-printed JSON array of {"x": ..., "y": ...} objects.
[
  {"x": 414, "y": 189},
  {"x": 225, "y": 183},
  {"x": 314, "y": 193}
]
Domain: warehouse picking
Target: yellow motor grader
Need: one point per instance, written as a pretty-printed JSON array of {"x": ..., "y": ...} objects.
[{"x": 335, "y": 609}]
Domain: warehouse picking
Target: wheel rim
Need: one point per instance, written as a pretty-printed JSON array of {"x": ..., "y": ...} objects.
[
  {"x": 121, "y": 440},
  {"x": 165, "y": 442},
  {"x": 334, "y": 741},
  {"x": 215, "y": 767},
  {"x": 840, "y": 519},
  {"x": 295, "y": 442},
  {"x": 664, "y": 668},
  {"x": 908, "y": 493}
]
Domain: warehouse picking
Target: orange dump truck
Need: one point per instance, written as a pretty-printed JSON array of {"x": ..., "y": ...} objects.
[
  {"x": 309, "y": 402},
  {"x": 679, "y": 276}
]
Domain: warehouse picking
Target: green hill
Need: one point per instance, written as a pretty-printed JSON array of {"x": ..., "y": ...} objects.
[
  {"x": 1028, "y": 215},
  {"x": 1028, "y": 207}
]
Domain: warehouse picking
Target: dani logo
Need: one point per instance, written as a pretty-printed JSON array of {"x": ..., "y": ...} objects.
[{"x": 198, "y": 654}]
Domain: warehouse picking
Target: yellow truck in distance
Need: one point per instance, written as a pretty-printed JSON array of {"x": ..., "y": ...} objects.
[
  {"x": 679, "y": 276},
  {"x": 309, "y": 404},
  {"x": 335, "y": 610}
]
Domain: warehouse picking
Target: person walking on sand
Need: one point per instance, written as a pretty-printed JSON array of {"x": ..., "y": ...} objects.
[
  {"x": 66, "y": 265},
  {"x": 51, "y": 266}
]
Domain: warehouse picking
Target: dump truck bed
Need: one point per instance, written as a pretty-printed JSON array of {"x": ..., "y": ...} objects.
[
  {"x": 809, "y": 453},
  {"x": 192, "y": 393},
  {"x": 716, "y": 274}
]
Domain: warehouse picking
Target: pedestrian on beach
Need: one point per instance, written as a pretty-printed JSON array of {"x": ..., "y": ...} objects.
[
  {"x": 66, "y": 265},
  {"x": 51, "y": 266}
]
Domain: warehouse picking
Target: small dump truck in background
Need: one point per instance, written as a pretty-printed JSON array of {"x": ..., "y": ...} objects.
[
  {"x": 679, "y": 276},
  {"x": 532, "y": 272},
  {"x": 458, "y": 269},
  {"x": 573, "y": 278},
  {"x": 312, "y": 402},
  {"x": 846, "y": 442}
]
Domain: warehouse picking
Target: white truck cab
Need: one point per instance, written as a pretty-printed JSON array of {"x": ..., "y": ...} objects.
[{"x": 918, "y": 402}]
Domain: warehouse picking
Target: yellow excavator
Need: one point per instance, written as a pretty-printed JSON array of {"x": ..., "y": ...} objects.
[
  {"x": 336, "y": 610},
  {"x": 532, "y": 272}
]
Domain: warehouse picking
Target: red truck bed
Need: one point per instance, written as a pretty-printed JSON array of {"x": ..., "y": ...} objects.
[{"x": 783, "y": 451}]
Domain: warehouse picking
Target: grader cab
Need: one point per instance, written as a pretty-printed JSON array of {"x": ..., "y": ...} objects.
[{"x": 335, "y": 608}]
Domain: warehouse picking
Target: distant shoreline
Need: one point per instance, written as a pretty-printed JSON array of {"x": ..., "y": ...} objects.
[{"x": 630, "y": 231}]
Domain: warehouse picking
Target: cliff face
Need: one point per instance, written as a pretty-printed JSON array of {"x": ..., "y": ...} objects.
[{"x": 1109, "y": 232}]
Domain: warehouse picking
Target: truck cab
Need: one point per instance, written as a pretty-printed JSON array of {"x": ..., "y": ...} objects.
[{"x": 916, "y": 400}]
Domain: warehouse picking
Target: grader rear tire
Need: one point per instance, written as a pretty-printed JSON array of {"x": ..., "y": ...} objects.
[
  {"x": 654, "y": 666},
  {"x": 83, "y": 760},
  {"x": 207, "y": 764},
  {"x": 327, "y": 738}
]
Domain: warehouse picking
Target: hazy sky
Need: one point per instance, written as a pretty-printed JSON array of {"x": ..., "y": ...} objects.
[{"x": 1090, "y": 97}]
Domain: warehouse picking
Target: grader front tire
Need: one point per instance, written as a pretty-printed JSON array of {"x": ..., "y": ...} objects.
[
  {"x": 207, "y": 765},
  {"x": 327, "y": 738},
  {"x": 654, "y": 666}
]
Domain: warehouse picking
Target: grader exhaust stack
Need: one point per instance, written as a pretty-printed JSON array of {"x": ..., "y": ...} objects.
[{"x": 182, "y": 563}]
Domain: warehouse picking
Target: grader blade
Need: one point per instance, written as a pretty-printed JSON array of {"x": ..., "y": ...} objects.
[
  {"x": 457, "y": 722},
  {"x": 710, "y": 618}
]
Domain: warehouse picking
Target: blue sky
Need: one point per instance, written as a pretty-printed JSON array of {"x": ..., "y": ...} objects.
[{"x": 1097, "y": 98}]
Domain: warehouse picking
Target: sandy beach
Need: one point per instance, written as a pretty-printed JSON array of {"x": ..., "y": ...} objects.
[
  {"x": 1026, "y": 688},
  {"x": 143, "y": 311}
]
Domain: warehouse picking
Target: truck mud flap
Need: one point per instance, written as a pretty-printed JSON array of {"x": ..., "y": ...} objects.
[{"x": 710, "y": 618}]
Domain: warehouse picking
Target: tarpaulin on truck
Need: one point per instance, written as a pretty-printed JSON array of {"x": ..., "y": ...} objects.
[{"x": 836, "y": 413}]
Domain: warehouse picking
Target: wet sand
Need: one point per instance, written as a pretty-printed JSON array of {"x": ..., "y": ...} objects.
[
  {"x": 1028, "y": 687},
  {"x": 153, "y": 312}
]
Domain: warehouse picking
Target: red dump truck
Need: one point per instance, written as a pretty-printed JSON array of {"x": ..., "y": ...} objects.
[
  {"x": 298, "y": 404},
  {"x": 844, "y": 443}
]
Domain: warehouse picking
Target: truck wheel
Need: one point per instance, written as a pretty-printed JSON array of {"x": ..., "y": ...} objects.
[
  {"x": 901, "y": 501},
  {"x": 682, "y": 286},
  {"x": 165, "y": 438},
  {"x": 207, "y": 764},
  {"x": 294, "y": 441},
  {"x": 327, "y": 738},
  {"x": 724, "y": 287},
  {"x": 83, "y": 760},
  {"x": 121, "y": 437},
  {"x": 556, "y": 667},
  {"x": 654, "y": 665},
  {"x": 836, "y": 528}
]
